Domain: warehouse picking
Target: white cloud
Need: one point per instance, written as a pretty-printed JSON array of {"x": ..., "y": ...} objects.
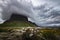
[{"x": 40, "y": 12}]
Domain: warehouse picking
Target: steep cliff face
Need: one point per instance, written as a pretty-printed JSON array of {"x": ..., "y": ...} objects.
[{"x": 40, "y": 12}]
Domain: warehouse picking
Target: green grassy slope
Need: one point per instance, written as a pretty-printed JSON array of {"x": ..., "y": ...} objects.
[{"x": 17, "y": 21}]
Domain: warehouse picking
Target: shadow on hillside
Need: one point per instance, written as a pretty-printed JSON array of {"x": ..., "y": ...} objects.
[{"x": 17, "y": 20}]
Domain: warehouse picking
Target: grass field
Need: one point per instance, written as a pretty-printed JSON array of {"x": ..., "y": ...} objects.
[
  {"x": 29, "y": 33},
  {"x": 17, "y": 21},
  {"x": 18, "y": 28}
]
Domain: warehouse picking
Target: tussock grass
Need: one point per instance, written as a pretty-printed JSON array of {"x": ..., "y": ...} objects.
[{"x": 29, "y": 33}]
